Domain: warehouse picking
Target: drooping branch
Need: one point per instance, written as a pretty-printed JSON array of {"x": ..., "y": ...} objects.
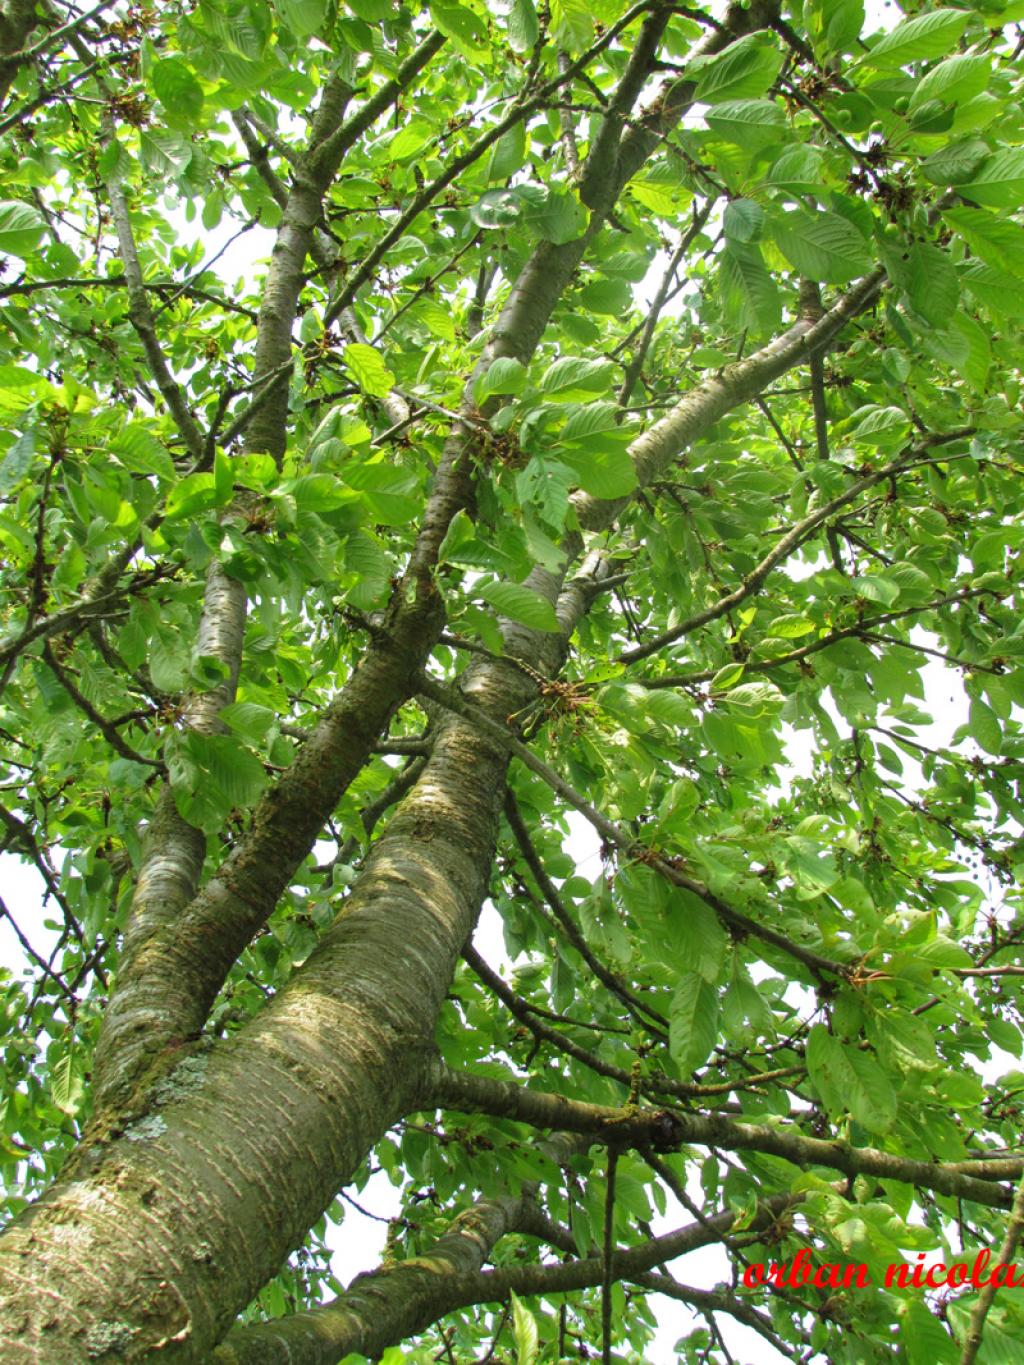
[
  {"x": 720, "y": 1300},
  {"x": 821, "y": 967},
  {"x": 641, "y": 1011},
  {"x": 383, "y": 1306},
  {"x": 635, "y": 367},
  {"x": 105, "y": 727},
  {"x": 141, "y": 313},
  {"x": 794, "y": 537},
  {"x": 794, "y": 656},
  {"x": 544, "y": 1033}
]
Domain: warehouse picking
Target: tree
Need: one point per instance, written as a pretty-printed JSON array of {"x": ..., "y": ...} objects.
[{"x": 627, "y": 391}]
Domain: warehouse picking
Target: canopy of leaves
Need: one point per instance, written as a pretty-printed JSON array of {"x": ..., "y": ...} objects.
[{"x": 819, "y": 555}]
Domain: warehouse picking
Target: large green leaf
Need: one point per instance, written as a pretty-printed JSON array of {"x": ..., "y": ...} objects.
[
  {"x": 822, "y": 246},
  {"x": 370, "y": 372},
  {"x": 178, "y": 91},
  {"x": 303, "y": 17},
  {"x": 749, "y": 290},
  {"x": 999, "y": 181},
  {"x": 751, "y": 124},
  {"x": 521, "y": 604},
  {"x": 693, "y": 1022},
  {"x": 928, "y": 35},
  {"x": 849, "y": 1080},
  {"x": 524, "y": 1332},
  {"x": 21, "y": 227},
  {"x": 745, "y": 69},
  {"x": 602, "y": 466},
  {"x": 956, "y": 80},
  {"x": 164, "y": 154}
]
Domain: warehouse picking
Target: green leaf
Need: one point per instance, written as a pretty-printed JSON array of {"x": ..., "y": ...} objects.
[
  {"x": 591, "y": 419},
  {"x": 164, "y": 154},
  {"x": 923, "y": 1339},
  {"x": 613, "y": 298},
  {"x": 790, "y": 627},
  {"x": 178, "y": 91},
  {"x": 579, "y": 375},
  {"x": 410, "y": 139},
  {"x": 465, "y": 28},
  {"x": 508, "y": 154},
  {"x": 195, "y": 493},
  {"x": 248, "y": 719},
  {"x": 693, "y": 1022},
  {"x": 242, "y": 29},
  {"x": 523, "y": 29},
  {"x": 746, "y": 69},
  {"x": 956, "y": 163},
  {"x": 750, "y": 293},
  {"x": 16, "y": 461},
  {"x": 572, "y": 24},
  {"x": 372, "y": 11},
  {"x": 368, "y": 369},
  {"x": 835, "y": 24},
  {"x": 698, "y": 939},
  {"x": 932, "y": 285},
  {"x": 943, "y": 952},
  {"x": 875, "y": 588},
  {"x": 985, "y": 728},
  {"x": 743, "y": 221},
  {"x": 210, "y": 776},
  {"x": 603, "y": 467},
  {"x": 67, "y": 1083},
  {"x": 997, "y": 241},
  {"x": 953, "y": 81},
  {"x": 21, "y": 227},
  {"x": 560, "y": 218},
  {"x": 521, "y": 604},
  {"x": 168, "y": 663},
  {"x": 799, "y": 170},
  {"x": 999, "y": 181},
  {"x": 821, "y": 246},
  {"x": 750, "y": 124},
  {"x": 504, "y": 375},
  {"x": 524, "y": 1332},
  {"x": 813, "y": 869},
  {"x": 875, "y": 426},
  {"x": 915, "y": 40},
  {"x": 849, "y": 1080},
  {"x": 306, "y": 17}
]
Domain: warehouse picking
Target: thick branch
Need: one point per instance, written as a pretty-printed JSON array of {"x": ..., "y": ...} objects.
[
  {"x": 484, "y": 1095},
  {"x": 386, "y": 1307},
  {"x": 330, "y": 140}
]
